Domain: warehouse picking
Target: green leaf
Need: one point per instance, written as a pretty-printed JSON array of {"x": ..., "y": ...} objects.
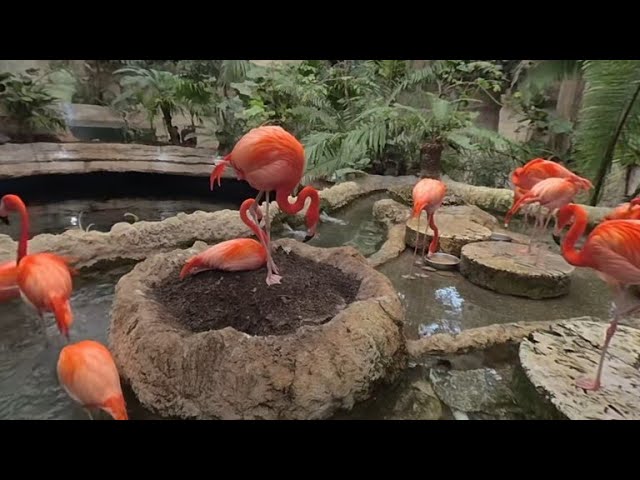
[{"x": 610, "y": 106}]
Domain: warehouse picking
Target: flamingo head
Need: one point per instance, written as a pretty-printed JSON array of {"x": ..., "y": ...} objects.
[
  {"x": 194, "y": 265},
  {"x": 634, "y": 202},
  {"x": 564, "y": 217},
  {"x": 311, "y": 221}
]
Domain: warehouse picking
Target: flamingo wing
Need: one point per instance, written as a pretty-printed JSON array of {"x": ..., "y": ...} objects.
[
  {"x": 614, "y": 248},
  {"x": 88, "y": 374},
  {"x": 43, "y": 277},
  {"x": 270, "y": 158},
  {"x": 428, "y": 193},
  {"x": 232, "y": 255}
]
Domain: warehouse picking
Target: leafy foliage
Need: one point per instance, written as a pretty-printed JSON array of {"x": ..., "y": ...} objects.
[
  {"x": 609, "y": 118},
  {"x": 31, "y": 100}
]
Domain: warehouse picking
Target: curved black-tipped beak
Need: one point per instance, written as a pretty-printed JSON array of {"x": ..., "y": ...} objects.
[
  {"x": 307, "y": 238},
  {"x": 5, "y": 220},
  {"x": 556, "y": 238}
]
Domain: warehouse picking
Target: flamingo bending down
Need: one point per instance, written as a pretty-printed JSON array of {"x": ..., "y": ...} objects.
[
  {"x": 43, "y": 279},
  {"x": 271, "y": 159},
  {"x": 524, "y": 178},
  {"x": 625, "y": 211},
  {"x": 612, "y": 250},
  {"x": 88, "y": 374},
  {"x": 232, "y": 255},
  {"x": 538, "y": 169},
  {"x": 552, "y": 193},
  {"x": 427, "y": 195}
]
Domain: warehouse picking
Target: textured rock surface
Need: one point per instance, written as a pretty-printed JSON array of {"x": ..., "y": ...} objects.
[
  {"x": 309, "y": 374},
  {"x": 20, "y": 160},
  {"x": 135, "y": 241},
  {"x": 504, "y": 268},
  {"x": 484, "y": 390},
  {"x": 417, "y": 401},
  {"x": 458, "y": 226},
  {"x": 553, "y": 361},
  {"x": 393, "y": 215},
  {"x": 480, "y": 338}
]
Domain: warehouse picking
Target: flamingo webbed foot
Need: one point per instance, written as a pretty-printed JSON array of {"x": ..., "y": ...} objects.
[
  {"x": 273, "y": 279},
  {"x": 588, "y": 384}
]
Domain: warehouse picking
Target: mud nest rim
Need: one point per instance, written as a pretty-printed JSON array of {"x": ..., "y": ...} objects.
[{"x": 310, "y": 373}]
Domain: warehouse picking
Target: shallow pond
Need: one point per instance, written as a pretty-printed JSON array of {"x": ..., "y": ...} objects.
[{"x": 443, "y": 302}]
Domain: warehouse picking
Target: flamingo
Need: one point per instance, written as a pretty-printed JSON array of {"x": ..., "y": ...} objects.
[
  {"x": 625, "y": 211},
  {"x": 9, "y": 270},
  {"x": 428, "y": 194},
  {"x": 89, "y": 376},
  {"x": 612, "y": 250},
  {"x": 524, "y": 178},
  {"x": 232, "y": 255},
  {"x": 552, "y": 193},
  {"x": 43, "y": 279},
  {"x": 539, "y": 169},
  {"x": 271, "y": 159}
]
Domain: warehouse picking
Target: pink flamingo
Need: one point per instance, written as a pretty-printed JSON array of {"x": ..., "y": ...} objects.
[
  {"x": 271, "y": 159},
  {"x": 9, "y": 289},
  {"x": 43, "y": 279},
  {"x": 552, "y": 193},
  {"x": 234, "y": 255},
  {"x": 612, "y": 250},
  {"x": 428, "y": 195},
  {"x": 89, "y": 376}
]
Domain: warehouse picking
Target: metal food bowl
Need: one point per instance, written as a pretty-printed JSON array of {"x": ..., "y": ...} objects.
[
  {"x": 500, "y": 237},
  {"x": 442, "y": 261}
]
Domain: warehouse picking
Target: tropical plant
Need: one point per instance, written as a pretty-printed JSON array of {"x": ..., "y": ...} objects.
[
  {"x": 31, "y": 99},
  {"x": 609, "y": 120},
  {"x": 156, "y": 91}
]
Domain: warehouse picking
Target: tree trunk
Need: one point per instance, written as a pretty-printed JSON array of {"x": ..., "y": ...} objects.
[
  {"x": 567, "y": 108},
  {"x": 174, "y": 135},
  {"x": 430, "y": 160}
]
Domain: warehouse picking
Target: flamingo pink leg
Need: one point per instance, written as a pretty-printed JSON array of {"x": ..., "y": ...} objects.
[
  {"x": 594, "y": 384},
  {"x": 424, "y": 246},
  {"x": 415, "y": 249},
  {"x": 273, "y": 276}
]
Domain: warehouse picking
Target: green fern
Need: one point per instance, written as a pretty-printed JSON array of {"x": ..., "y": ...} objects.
[{"x": 608, "y": 118}]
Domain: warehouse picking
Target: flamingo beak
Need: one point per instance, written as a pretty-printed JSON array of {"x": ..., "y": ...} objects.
[
  {"x": 308, "y": 237},
  {"x": 556, "y": 238},
  {"x": 5, "y": 220}
]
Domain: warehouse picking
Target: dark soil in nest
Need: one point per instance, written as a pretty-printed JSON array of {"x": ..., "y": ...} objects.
[{"x": 310, "y": 293}]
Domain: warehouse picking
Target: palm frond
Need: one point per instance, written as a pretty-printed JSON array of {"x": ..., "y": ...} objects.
[
  {"x": 233, "y": 71},
  {"x": 610, "y": 100}
]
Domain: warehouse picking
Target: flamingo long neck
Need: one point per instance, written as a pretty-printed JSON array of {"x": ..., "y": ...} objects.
[
  {"x": 569, "y": 252},
  {"x": 282, "y": 197},
  {"x": 249, "y": 222},
  {"x": 433, "y": 246},
  {"x": 19, "y": 205}
]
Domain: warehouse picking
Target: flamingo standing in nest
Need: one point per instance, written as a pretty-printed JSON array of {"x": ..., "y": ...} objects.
[
  {"x": 612, "y": 250},
  {"x": 43, "y": 279},
  {"x": 428, "y": 195},
  {"x": 271, "y": 159}
]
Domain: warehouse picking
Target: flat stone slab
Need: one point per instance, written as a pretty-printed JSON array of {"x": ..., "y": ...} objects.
[
  {"x": 552, "y": 361},
  {"x": 505, "y": 267},
  {"x": 458, "y": 226}
]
